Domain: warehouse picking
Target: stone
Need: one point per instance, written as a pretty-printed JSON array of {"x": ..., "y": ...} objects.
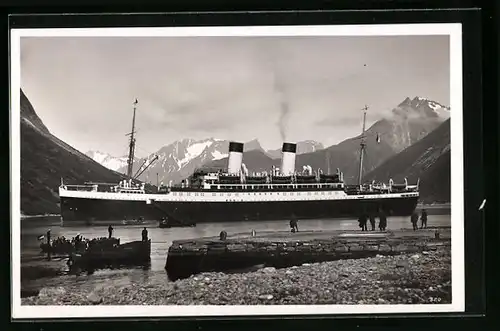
[
  {"x": 379, "y": 256},
  {"x": 289, "y": 272},
  {"x": 425, "y": 253},
  {"x": 94, "y": 299},
  {"x": 370, "y": 248},
  {"x": 400, "y": 248},
  {"x": 269, "y": 269},
  {"x": 51, "y": 291},
  {"x": 384, "y": 248},
  {"x": 402, "y": 264},
  {"x": 341, "y": 248},
  {"x": 355, "y": 248},
  {"x": 265, "y": 297},
  {"x": 306, "y": 264},
  {"x": 415, "y": 257}
]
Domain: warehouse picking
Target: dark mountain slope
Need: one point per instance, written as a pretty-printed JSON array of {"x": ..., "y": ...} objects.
[
  {"x": 427, "y": 159},
  {"x": 45, "y": 159}
]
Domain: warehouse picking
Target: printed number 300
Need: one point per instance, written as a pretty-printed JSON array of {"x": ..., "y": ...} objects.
[{"x": 435, "y": 300}]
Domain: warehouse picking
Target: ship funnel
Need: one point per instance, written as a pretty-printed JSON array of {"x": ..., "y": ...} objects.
[
  {"x": 288, "y": 159},
  {"x": 235, "y": 158}
]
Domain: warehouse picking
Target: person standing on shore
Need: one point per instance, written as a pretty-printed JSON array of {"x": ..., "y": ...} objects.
[
  {"x": 294, "y": 224},
  {"x": 382, "y": 224},
  {"x": 414, "y": 220},
  {"x": 372, "y": 221},
  {"x": 144, "y": 234},
  {"x": 363, "y": 219},
  {"x": 423, "y": 219},
  {"x": 49, "y": 248},
  {"x": 110, "y": 231}
]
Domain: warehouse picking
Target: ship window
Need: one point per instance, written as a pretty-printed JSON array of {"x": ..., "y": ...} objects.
[
  {"x": 322, "y": 193},
  {"x": 214, "y": 194},
  {"x": 308, "y": 193}
]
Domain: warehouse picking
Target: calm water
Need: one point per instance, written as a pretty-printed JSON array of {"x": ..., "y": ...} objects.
[{"x": 161, "y": 239}]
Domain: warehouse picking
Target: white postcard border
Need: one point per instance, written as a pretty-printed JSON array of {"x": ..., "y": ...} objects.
[{"x": 454, "y": 30}]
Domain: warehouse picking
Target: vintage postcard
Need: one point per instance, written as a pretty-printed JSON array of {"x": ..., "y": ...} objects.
[{"x": 221, "y": 171}]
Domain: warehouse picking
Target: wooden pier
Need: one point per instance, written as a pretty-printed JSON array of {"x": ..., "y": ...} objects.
[{"x": 285, "y": 249}]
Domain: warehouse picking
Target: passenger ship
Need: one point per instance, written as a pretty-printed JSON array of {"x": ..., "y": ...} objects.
[{"x": 233, "y": 194}]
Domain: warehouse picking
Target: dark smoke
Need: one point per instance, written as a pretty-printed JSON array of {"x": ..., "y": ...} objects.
[{"x": 284, "y": 107}]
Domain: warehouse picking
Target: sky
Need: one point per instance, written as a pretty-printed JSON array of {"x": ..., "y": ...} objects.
[{"x": 234, "y": 88}]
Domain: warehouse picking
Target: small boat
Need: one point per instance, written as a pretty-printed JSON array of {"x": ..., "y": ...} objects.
[
  {"x": 169, "y": 222},
  {"x": 135, "y": 253}
]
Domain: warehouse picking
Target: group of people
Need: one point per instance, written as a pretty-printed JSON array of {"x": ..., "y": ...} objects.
[
  {"x": 423, "y": 220},
  {"x": 371, "y": 217}
]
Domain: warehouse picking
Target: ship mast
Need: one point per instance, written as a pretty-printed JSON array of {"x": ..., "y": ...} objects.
[
  {"x": 363, "y": 146},
  {"x": 130, "y": 161}
]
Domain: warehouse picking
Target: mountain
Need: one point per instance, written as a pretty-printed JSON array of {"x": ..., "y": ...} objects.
[
  {"x": 427, "y": 159},
  {"x": 109, "y": 161},
  {"x": 179, "y": 159},
  {"x": 303, "y": 147},
  {"x": 252, "y": 145},
  {"x": 255, "y": 161},
  {"x": 45, "y": 159},
  {"x": 409, "y": 122}
]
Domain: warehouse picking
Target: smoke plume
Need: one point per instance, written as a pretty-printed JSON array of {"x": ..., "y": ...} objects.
[{"x": 284, "y": 107}]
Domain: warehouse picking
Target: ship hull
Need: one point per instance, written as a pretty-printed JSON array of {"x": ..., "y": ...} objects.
[{"x": 94, "y": 211}]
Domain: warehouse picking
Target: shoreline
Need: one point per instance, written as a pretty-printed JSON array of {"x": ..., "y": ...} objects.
[{"x": 422, "y": 278}]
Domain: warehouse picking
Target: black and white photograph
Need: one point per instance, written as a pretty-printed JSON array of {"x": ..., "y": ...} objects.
[{"x": 218, "y": 171}]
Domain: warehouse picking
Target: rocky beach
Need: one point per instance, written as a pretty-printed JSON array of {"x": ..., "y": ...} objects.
[{"x": 420, "y": 278}]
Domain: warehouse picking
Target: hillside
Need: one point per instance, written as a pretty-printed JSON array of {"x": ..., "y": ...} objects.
[
  {"x": 45, "y": 159},
  {"x": 427, "y": 159}
]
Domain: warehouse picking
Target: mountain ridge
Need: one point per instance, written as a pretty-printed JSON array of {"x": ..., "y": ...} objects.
[
  {"x": 45, "y": 159},
  {"x": 428, "y": 160}
]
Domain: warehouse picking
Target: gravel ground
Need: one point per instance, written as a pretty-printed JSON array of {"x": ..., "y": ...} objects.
[{"x": 403, "y": 279}]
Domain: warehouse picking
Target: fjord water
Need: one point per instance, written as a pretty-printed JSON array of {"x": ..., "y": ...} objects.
[{"x": 161, "y": 239}]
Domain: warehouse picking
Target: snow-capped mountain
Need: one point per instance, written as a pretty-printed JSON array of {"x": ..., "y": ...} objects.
[
  {"x": 303, "y": 147},
  {"x": 179, "y": 159},
  {"x": 109, "y": 161}
]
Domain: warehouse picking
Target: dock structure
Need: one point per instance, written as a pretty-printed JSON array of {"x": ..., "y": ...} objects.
[{"x": 286, "y": 249}]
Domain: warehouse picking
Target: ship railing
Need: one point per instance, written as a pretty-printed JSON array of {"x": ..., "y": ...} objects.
[{"x": 86, "y": 188}]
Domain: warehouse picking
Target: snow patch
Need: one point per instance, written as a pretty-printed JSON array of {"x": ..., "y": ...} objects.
[
  {"x": 216, "y": 155},
  {"x": 195, "y": 150}
]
